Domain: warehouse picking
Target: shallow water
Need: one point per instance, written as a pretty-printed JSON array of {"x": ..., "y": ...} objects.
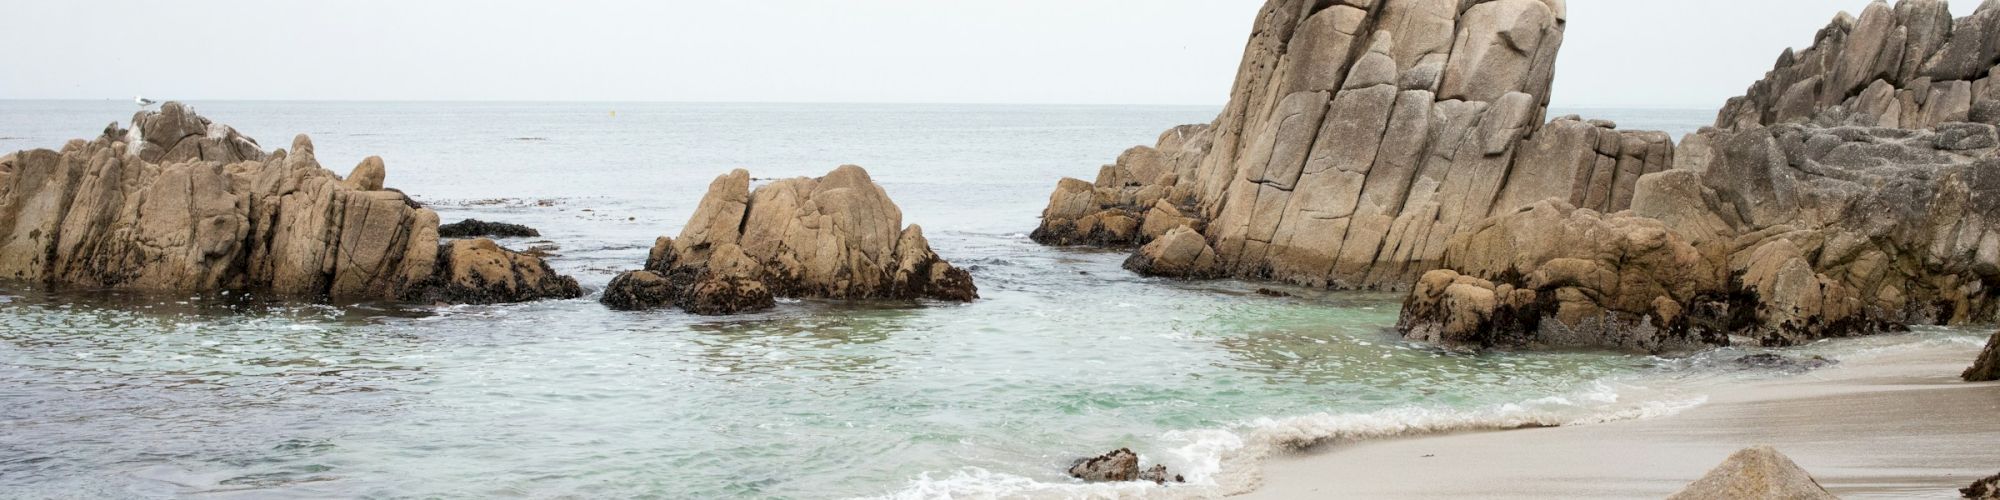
[{"x": 1066, "y": 355}]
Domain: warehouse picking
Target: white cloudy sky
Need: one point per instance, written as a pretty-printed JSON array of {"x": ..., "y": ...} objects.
[{"x": 1619, "y": 53}]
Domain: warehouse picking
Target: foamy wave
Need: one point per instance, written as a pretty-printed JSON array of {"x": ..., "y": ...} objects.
[{"x": 1220, "y": 462}]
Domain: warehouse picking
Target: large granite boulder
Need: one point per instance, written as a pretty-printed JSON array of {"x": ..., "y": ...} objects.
[
  {"x": 177, "y": 203},
  {"x": 1987, "y": 367},
  {"x": 1759, "y": 472},
  {"x": 837, "y": 237},
  {"x": 1362, "y": 135}
]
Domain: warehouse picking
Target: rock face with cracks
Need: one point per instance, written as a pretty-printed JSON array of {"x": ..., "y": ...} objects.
[
  {"x": 1359, "y": 137},
  {"x": 836, "y": 237},
  {"x": 1904, "y": 66},
  {"x": 1786, "y": 231},
  {"x": 179, "y": 204}
]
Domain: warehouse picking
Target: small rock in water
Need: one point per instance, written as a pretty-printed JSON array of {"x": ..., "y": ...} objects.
[
  {"x": 1780, "y": 362},
  {"x": 1120, "y": 465},
  {"x": 1984, "y": 489},
  {"x": 474, "y": 228},
  {"x": 1272, "y": 293}
]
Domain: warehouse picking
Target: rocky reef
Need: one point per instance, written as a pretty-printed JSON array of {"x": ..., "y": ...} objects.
[
  {"x": 177, "y": 203},
  {"x": 1120, "y": 465},
  {"x": 1786, "y": 223},
  {"x": 835, "y": 237},
  {"x": 1758, "y": 472},
  {"x": 1983, "y": 489},
  {"x": 1360, "y": 136}
]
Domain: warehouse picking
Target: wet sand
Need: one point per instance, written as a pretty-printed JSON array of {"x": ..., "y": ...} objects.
[{"x": 1897, "y": 425}]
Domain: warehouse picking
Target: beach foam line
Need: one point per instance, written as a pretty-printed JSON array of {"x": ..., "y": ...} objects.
[{"x": 1220, "y": 462}]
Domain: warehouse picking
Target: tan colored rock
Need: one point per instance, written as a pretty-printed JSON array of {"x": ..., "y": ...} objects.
[
  {"x": 837, "y": 236},
  {"x": 481, "y": 272},
  {"x": 1181, "y": 253},
  {"x": 1760, "y": 472},
  {"x": 179, "y": 204}
]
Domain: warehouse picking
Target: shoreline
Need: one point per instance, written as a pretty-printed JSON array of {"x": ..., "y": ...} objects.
[{"x": 1884, "y": 425}]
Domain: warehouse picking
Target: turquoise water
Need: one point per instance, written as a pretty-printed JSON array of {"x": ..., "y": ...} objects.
[{"x": 113, "y": 395}]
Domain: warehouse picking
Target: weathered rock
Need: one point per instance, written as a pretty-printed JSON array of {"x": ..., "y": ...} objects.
[
  {"x": 180, "y": 204},
  {"x": 1768, "y": 361},
  {"x": 1181, "y": 253},
  {"x": 1759, "y": 472},
  {"x": 481, "y": 272},
  {"x": 1987, "y": 367},
  {"x": 837, "y": 237},
  {"x": 475, "y": 228},
  {"x": 1907, "y": 67},
  {"x": 1984, "y": 489},
  {"x": 1359, "y": 138},
  {"x": 1120, "y": 465},
  {"x": 1117, "y": 466},
  {"x": 1789, "y": 234}
]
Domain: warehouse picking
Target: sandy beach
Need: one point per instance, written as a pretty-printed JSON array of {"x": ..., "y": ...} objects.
[{"x": 1893, "y": 425}]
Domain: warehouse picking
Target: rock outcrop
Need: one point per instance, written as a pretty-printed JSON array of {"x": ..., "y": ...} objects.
[
  {"x": 177, "y": 203},
  {"x": 1984, "y": 489},
  {"x": 1909, "y": 66},
  {"x": 1759, "y": 472},
  {"x": 475, "y": 228},
  {"x": 1780, "y": 233},
  {"x": 1987, "y": 367},
  {"x": 836, "y": 237},
  {"x": 1120, "y": 465},
  {"x": 1361, "y": 136}
]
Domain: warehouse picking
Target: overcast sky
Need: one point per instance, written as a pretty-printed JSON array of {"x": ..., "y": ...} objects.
[{"x": 1618, "y": 53}]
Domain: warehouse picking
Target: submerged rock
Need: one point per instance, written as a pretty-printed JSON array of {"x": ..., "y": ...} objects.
[
  {"x": 475, "y": 228},
  {"x": 180, "y": 204},
  {"x": 1984, "y": 489},
  {"x": 1987, "y": 367},
  {"x": 1759, "y": 472},
  {"x": 1120, "y": 465},
  {"x": 836, "y": 237},
  {"x": 1769, "y": 361}
]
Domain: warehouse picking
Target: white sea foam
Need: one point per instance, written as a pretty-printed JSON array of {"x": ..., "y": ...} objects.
[{"x": 1220, "y": 462}]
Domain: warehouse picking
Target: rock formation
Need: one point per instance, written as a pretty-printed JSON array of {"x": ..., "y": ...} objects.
[
  {"x": 1360, "y": 136},
  {"x": 1984, "y": 489},
  {"x": 475, "y": 228},
  {"x": 836, "y": 237},
  {"x": 1799, "y": 221},
  {"x": 177, "y": 203},
  {"x": 1120, "y": 465},
  {"x": 1759, "y": 472},
  {"x": 1908, "y": 66},
  {"x": 1987, "y": 367}
]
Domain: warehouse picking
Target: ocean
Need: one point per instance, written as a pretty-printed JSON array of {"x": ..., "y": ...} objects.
[{"x": 107, "y": 395}]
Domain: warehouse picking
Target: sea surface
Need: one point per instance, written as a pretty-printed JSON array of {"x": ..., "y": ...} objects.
[{"x": 107, "y": 395}]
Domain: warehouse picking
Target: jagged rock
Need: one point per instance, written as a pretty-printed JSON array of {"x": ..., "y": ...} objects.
[
  {"x": 1912, "y": 66},
  {"x": 1759, "y": 472},
  {"x": 1987, "y": 367},
  {"x": 837, "y": 236},
  {"x": 1120, "y": 465},
  {"x": 475, "y": 228},
  {"x": 1787, "y": 234},
  {"x": 1359, "y": 138},
  {"x": 181, "y": 204},
  {"x": 1984, "y": 489}
]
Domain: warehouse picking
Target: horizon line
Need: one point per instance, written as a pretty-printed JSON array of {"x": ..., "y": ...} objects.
[{"x": 872, "y": 103}]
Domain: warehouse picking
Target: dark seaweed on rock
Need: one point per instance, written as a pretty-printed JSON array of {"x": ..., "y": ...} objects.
[{"x": 474, "y": 228}]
